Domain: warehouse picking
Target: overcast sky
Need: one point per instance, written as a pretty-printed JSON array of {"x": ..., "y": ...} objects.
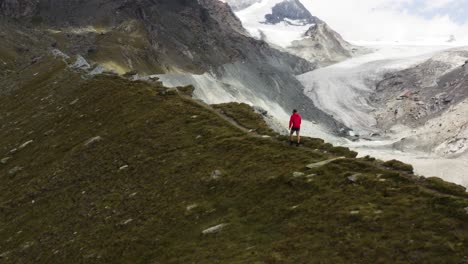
[{"x": 394, "y": 20}]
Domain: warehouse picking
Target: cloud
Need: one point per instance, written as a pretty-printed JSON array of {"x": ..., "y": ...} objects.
[
  {"x": 436, "y": 4},
  {"x": 390, "y": 20}
]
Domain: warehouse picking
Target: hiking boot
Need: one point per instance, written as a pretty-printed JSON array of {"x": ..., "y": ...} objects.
[
  {"x": 290, "y": 143},
  {"x": 297, "y": 144}
]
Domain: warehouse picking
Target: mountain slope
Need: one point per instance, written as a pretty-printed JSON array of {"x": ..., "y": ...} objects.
[
  {"x": 166, "y": 179},
  {"x": 324, "y": 45},
  {"x": 430, "y": 99},
  {"x": 200, "y": 38}
]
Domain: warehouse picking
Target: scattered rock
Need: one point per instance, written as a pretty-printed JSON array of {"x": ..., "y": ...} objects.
[
  {"x": 123, "y": 167},
  {"x": 59, "y": 54},
  {"x": 322, "y": 163},
  {"x": 49, "y": 132},
  {"x": 355, "y": 177},
  {"x": 133, "y": 194},
  {"x": 266, "y": 136},
  {"x": 81, "y": 63},
  {"x": 354, "y": 212},
  {"x": 191, "y": 207},
  {"x": 13, "y": 151},
  {"x": 298, "y": 174},
  {"x": 27, "y": 245},
  {"x": 92, "y": 141},
  {"x": 15, "y": 170},
  {"x": 172, "y": 91},
  {"x": 74, "y": 102},
  {"x": 5, "y": 254},
  {"x": 214, "y": 229},
  {"x": 216, "y": 174},
  {"x": 5, "y": 160},
  {"x": 130, "y": 74},
  {"x": 99, "y": 69},
  {"x": 466, "y": 210},
  {"x": 25, "y": 144},
  {"x": 198, "y": 137},
  {"x": 128, "y": 221}
]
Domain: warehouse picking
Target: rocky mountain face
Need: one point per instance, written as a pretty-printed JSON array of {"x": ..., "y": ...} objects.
[
  {"x": 155, "y": 37},
  {"x": 291, "y": 12},
  {"x": 430, "y": 98},
  {"x": 17, "y": 8},
  {"x": 324, "y": 45}
]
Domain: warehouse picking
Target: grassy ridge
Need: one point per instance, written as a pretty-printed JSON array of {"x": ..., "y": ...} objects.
[{"x": 126, "y": 172}]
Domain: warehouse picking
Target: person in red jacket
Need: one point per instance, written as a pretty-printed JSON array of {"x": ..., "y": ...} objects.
[{"x": 295, "y": 126}]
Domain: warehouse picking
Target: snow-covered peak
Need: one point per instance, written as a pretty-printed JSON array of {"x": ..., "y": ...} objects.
[
  {"x": 238, "y": 5},
  {"x": 276, "y": 21},
  {"x": 290, "y": 10}
]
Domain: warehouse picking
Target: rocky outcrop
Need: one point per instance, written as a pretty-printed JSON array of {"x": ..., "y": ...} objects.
[
  {"x": 324, "y": 45},
  {"x": 223, "y": 14},
  {"x": 431, "y": 100},
  {"x": 413, "y": 96}
]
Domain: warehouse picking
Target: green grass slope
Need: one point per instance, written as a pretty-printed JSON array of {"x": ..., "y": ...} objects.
[{"x": 105, "y": 170}]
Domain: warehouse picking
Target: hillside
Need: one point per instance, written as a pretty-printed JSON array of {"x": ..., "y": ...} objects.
[{"x": 104, "y": 170}]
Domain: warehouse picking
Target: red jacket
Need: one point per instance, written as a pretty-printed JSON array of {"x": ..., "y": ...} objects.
[{"x": 295, "y": 121}]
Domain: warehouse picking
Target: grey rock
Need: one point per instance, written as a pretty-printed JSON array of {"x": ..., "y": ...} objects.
[
  {"x": 59, "y": 54},
  {"x": 81, "y": 63},
  {"x": 214, "y": 229},
  {"x": 99, "y": 69},
  {"x": 5, "y": 254},
  {"x": 15, "y": 170},
  {"x": 298, "y": 174},
  {"x": 93, "y": 141},
  {"x": 355, "y": 177},
  {"x": 191, "y": 207},
  {"x": 126, "y": 222},
  {"x": 123, "y": 167},
  {"x": 25, "y": 144},
  {"x": 5, "y": 160},
  {"x": 216, "y": 174}
]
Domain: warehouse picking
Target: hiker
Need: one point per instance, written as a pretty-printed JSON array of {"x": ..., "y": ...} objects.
[{"x": 295, "y": 126}]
